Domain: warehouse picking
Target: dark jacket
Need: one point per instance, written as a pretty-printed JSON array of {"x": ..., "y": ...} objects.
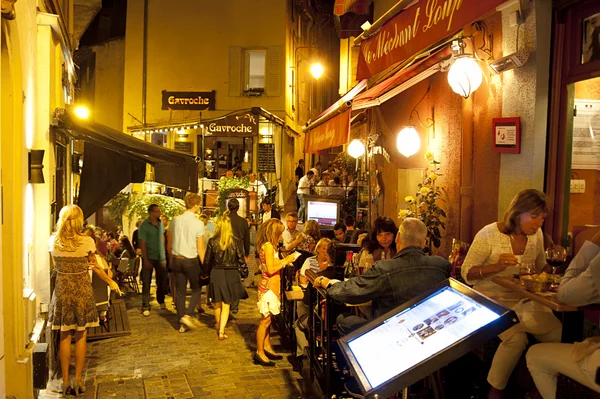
[
  {"x": 390, "y": 283},
  {"x": 231, "y": 258},
  {"x": 241, "y": 231},
  {"x": 275, "y": 214}
]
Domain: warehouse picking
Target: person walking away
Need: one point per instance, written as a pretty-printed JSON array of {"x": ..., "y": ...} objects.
[
  {"x": 242, "y": 233},
  {"x": 249, "y": 282},
  {"x": 187, "y": 237},
  {"x": 225, "y": 259},
  {"x": 72, "y": 306},
  {"x": 152, "y": 243},
  {"x": 304, "y": 185}
]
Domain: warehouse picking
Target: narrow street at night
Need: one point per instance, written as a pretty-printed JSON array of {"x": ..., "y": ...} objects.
[{"x": 156, "y": 361}]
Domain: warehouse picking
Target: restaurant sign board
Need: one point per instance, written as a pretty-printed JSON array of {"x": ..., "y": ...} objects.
[
  {"x": 233, "y": 125},
  {"x": 188, "y": 100},
  {"x": 330, "y": 134},
  {"x": 415, "y": 29}
]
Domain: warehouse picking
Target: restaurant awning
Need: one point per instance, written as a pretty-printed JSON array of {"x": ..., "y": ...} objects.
[
  {"x": 332, "y": 133},
  {"x": 113, "y": 159},
  {"x": 350, "y": 15}
]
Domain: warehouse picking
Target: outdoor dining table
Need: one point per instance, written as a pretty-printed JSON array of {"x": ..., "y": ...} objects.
[{"x": 571, "y": 316}]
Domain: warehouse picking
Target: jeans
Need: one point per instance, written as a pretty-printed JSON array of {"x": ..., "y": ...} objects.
[
  {"x": 161, "y": 282},
  {"x": 545, "y": 361},
  {"x": 187, "y": 270},
  {"x": 302, "y": 209},
  {"x": 346, "y": 323}
]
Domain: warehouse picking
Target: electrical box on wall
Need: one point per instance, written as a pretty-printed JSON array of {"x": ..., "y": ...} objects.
[{"x": 577, "y": 186}]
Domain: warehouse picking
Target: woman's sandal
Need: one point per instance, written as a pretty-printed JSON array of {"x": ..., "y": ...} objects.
[
  {"x": 79, "y": 387},
  {"x": 65, "y": 387}
]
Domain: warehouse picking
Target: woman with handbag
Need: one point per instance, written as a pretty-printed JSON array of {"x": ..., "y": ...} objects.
[{"x": 225, "y": 260}]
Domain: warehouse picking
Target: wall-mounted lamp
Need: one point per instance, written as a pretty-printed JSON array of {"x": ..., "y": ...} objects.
[
  {"x": 465, "y": 74},
  {"x": 408, "y": 141},
  {"x": 317, "y": 70},
  {"x": 182, "y": 134},
  {"x": 81, "y": 111},
  {"x": 356, "y": 148},
  {"x": 36, "y": 164},
  {"x": 511, "y": 61}
]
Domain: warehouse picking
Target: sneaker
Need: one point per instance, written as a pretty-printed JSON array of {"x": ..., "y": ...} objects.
[
  {"x": 189, "y": 322},
  {"x": 146, "y": 313},
  {"x": 163, "y": 306},
  {"x": 183, "y": 329}
]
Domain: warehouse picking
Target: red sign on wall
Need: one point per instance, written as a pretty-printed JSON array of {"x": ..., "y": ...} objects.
[
  {"x": 330, "y": 134},
  {"x": 415, "y": 29}
]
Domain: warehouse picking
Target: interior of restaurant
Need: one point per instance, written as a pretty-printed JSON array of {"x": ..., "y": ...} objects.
[{"x": 220, "y": 154}]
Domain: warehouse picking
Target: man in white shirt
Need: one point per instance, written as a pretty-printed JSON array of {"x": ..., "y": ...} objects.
[
  {"x": 186, "y": 239},
  {"x": 322, "y": 187},
  {"x": 317, "y": 171},
  {"x": 290, "y": 234},
  {"x": 335, "y": 187},
  {"x": 257, "y": 186},
  {"x": 304, "y": 186}
]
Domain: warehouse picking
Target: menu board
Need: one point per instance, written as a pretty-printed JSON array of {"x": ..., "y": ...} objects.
[
  {"x": 266, "y": 157},
  {"x": 184, "y": 146},
  {"x": 586, "y": 128}
]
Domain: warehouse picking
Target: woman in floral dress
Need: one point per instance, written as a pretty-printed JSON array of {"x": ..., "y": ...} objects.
[
  {"x": 267, "y": 240},
  {"x": 72, "y": 307}
]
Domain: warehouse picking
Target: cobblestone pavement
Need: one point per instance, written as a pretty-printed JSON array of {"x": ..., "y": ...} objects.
[{"x": 156, "y": 361}]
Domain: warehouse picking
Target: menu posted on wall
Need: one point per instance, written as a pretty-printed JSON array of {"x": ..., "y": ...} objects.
[
  {"x": 586, "y": 135},
  {"x": 183, "y": 146},
  {"x": 266, "y": 157}
]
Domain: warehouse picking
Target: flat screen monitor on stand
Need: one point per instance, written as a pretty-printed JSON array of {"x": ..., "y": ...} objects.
[
  {"x": 325, "y": 211},
  {"x": 421, "y": 336}
]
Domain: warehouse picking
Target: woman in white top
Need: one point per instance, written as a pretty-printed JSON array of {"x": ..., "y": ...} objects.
[
  {"x": 72, "y": 306},
  {"x": 497, "y": 250}
]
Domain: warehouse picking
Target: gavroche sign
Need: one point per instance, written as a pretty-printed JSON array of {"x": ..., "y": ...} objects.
[
  {"x": 188, "y": 100},
  {"x": 234, "y": 125}
]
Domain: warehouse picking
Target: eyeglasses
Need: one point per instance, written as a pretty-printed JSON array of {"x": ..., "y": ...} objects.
[{"x": 292, "y": 221}]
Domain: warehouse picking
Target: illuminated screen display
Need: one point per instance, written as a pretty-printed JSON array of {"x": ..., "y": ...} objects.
[
  {"x": 417, "y": 333},
  {"x": 325, "y": 213}
]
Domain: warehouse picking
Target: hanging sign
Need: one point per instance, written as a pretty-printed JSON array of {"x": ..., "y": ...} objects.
[
  {"x": 188, "y": 100},
  {"x": 234, "y": 125},
  {"x": 330, "y": 134},
  {"x": 415, "y": 29}
]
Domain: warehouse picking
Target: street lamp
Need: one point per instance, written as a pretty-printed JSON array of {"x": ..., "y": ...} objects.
[
  {"x": 356, "y": 148},
  {"x": 81, "y": 111},
  {"x": 316, "y": 70}
]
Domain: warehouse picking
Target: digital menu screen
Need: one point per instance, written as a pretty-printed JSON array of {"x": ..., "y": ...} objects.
[
  {"x": 325, "y": 213},
  {"x": 417, "y": 333}
]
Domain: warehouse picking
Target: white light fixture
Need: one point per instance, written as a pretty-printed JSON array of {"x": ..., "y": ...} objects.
[
  {"x": 356, "y": 148},
  {"x": 408, "y": 141},
  {"x": 316, "y": 70},
  {"x": 366, "y": 25},
  {"x": 465, "y": 75}
]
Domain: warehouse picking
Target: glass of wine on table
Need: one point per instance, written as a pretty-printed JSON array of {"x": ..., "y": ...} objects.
[{"x": 556, "y": 257}]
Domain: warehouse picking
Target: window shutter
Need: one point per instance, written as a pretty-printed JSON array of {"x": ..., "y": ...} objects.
[
  {"x": 235, "y": 71},
  {"x": 274, "y": 71}
]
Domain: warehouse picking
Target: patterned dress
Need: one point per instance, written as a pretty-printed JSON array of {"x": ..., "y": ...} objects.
[
  {"x": 72, "y": 306},
  {"x": 268, "y": 287}
]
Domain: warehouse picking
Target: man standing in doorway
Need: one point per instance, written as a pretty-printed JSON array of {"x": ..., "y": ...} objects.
[
  {"x": 152, "y": 243},
  {"x": 299, "y": 173},
  {"x": 241, "y": 230},
  {"x": 186, "y": 233},
  {"x": 304, "y": 186}
]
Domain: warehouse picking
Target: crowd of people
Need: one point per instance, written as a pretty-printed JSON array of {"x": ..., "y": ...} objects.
[{"x": 394, "y": 268}]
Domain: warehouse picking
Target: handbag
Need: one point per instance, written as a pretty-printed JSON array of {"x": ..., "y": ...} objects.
[{"x": 243, "y": 270}]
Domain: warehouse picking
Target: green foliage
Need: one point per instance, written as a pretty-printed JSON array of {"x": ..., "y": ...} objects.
[
  {"x": 229, "y": 183},
  {"x": 425, "y": 205},
  {"x": 169, "y": 206},
  {"x": 117, "y": 207}
]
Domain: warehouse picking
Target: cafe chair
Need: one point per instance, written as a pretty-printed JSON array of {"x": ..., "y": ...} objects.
[{"x": 129, "y": 277}]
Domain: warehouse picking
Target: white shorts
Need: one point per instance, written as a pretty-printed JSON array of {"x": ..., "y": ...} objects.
[{"x": 269, "y": 304}]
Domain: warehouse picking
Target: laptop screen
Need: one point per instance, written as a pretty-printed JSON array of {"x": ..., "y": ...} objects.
[{"x": 418, "y": 333}]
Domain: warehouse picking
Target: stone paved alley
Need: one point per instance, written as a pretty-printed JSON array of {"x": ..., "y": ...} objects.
[{"x": 156, "y": 361}]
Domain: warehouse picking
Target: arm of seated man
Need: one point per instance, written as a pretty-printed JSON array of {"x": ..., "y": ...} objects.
[{"x": 357, "y": 290}]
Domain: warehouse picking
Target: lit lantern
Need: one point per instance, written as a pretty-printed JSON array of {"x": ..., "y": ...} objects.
[
  {"x": 464, "y": 75},
  {"x": 81, "y": 111},
  {"x": 408, "y": 141},
  {"x": 356, "y": 148},
  {"x": 316, "y": 70}
]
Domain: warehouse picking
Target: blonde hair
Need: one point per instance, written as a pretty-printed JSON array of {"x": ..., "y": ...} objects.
[
  {"x": 269, "y": 231},
  {"x": 311, "y": 228},
  {"x": 322, "y": 242},
  {"x": 191, "y": 200},
  {"x": 69, "y": 229},
  {"x": 224, "y": 231}
]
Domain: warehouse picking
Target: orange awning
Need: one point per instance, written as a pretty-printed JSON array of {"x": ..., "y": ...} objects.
[{"x": 332, "y": 133}]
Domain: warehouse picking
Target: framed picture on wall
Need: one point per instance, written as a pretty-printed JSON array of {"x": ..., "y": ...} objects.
[
  {"x": 590, "y": 39},
  {"x": 507, "y": 135}
]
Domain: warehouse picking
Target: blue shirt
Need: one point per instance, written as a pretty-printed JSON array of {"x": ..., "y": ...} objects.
[{"x": 153, "y": 235}]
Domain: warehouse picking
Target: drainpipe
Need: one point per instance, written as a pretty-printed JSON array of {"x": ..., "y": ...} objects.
[{"x": 145, "y": 63}]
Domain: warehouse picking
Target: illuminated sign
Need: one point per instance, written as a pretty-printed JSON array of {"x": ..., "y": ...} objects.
[{"x": 188, "y": 100}]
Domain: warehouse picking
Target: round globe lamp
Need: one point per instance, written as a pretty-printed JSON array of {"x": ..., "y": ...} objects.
[
  {"x": 81, "y": 111},
  {"x": 316, "y": 70},
  {"x": 465, "y": 75},
  {"x": 356, "y": 148},
  {"x": 408, "y": 141}
]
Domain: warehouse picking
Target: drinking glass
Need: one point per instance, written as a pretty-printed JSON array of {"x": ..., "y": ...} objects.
[
  {"x": 526, "y": 269},
  {"x": 556, "y": 257}
]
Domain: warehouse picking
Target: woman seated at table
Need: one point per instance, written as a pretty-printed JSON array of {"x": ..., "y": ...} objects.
[
  {"x": 580, "y": 361},
  {"x": 309, "y": 237},
  {"x": 497, "y": 250},
  {"x": 381, "y": 244}
]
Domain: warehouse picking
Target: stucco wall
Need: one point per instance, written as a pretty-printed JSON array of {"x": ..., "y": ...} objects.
[
  {"x": 525, "y": 94},
  {"x": 109, "y": 80}
]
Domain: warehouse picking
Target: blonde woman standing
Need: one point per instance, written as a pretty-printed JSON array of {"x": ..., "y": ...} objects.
[
  {"x": 268, "y": 237},
  {"x": 225, "y": 258},
  {"x": 72, "y": 307}
]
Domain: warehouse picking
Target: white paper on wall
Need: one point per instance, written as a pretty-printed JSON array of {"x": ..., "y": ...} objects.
[{"x": 586, "y": 135}]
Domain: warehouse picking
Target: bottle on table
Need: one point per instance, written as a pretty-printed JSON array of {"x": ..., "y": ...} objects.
[{"x": 349, "y": 265}]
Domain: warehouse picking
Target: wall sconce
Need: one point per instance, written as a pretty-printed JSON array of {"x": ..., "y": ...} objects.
[
  {"x": 408, "y": 141},
  {"x": 317, "y": 70},
  {"x": 356, "y": 148},
  {"x": 35, "y": 161},
  {"x": 182, "y": 134},
  {"x": 465, "y": 74}
]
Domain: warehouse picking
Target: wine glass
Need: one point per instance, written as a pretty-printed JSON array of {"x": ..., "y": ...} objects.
[{"x": 556, "y": 256}]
